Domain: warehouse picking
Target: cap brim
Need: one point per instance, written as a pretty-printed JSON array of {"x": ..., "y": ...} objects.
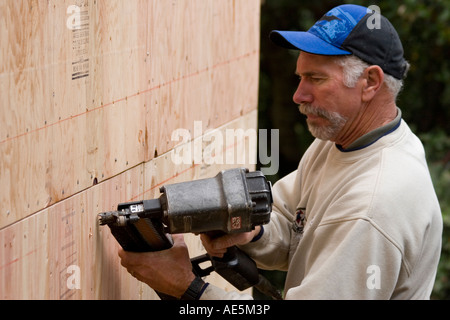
[{"x": 305, "y": 41}]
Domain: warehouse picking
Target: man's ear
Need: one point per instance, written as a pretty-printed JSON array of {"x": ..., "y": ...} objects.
[{"x": 373, "y": 81}]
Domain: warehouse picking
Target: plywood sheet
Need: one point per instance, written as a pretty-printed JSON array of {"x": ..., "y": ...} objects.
[
  {"x": 68, "y": 120},
  {"x": 81, "y": 105},
  {"x": 40, "y": 254},
  {"x": 211, "y": 79}
]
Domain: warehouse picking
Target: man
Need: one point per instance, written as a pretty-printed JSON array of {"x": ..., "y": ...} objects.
[{"x": 359, "y": 218}]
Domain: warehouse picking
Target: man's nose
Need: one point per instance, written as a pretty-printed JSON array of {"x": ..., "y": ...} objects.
[{"x": 302, "y": 94}]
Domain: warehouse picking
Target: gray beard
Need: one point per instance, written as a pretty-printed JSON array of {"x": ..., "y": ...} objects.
[{"x": 329, "y": 132}]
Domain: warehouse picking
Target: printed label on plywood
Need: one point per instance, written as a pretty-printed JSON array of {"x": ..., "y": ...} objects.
[{"x": 78, "y": 22}]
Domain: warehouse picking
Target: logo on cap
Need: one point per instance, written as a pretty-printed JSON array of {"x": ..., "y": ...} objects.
[{"x": 334, "y": 26}]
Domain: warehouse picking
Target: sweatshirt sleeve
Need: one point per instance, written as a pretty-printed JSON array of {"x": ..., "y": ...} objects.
[
  {"x": 271, "y": 251},
  {"x": 358, "y": 261}
]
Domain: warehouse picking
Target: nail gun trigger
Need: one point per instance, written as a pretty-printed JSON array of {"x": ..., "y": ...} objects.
[{"x": 197, "y": 269}]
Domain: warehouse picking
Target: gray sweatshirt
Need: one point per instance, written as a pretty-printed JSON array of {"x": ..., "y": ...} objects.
[{"x": 364, "y": 224}]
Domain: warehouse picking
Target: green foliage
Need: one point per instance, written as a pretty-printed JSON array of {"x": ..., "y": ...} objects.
[
  {"x": 423, "y": 26},
  {"x": 437, "y": 145}
]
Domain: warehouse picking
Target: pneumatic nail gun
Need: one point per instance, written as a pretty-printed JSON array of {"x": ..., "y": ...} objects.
[{"x": 233, "y": 201}]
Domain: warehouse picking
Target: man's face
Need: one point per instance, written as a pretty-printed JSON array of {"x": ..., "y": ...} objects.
[{"x": 322, "y": 96}]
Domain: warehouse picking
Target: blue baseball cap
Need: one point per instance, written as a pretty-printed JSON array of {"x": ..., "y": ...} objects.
[{"x": 350, "y": 29}]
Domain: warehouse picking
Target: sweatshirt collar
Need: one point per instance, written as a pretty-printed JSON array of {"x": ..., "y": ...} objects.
[{"x": 373, "y": 136}]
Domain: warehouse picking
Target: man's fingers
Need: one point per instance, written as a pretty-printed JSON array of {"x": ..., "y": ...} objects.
[
  {"x": 218, "y": 246},
  {"x": 178, "y": 239},
  {"x": 125, "y": 257}
]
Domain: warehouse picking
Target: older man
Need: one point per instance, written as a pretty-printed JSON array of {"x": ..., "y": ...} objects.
[{"x": 359, "y": 218}]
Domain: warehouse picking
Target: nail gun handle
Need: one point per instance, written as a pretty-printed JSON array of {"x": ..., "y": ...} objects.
[{"x": 235, "y": 266}]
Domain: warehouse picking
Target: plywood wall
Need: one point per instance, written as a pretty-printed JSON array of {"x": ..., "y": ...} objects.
[{"x": 90, "y": 94}]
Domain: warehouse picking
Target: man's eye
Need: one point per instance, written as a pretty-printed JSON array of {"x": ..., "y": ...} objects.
[
  {"x": 316, "y": 79},
  {"x": 311, "y": 79}
]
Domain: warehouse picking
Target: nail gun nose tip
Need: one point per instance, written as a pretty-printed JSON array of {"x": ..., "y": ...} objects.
[
  {"x": 100, "y": 219},
  {"x": 103, "y": 218}
]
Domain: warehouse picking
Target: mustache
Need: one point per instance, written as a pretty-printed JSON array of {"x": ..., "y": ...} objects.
[{"x": 308, "y": 108}]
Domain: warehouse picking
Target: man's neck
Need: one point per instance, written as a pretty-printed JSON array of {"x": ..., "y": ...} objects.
[
  {"x": 371, "y": 117},
  {"x": 374, "y": 135}
]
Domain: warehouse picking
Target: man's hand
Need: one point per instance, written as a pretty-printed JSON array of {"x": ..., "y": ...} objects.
[
  {"x": 168, "y": 271},
  {"x": 218, "y": 246}
]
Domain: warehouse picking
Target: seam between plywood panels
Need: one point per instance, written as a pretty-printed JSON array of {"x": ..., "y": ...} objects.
[{"x": 89, "y": 115}]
